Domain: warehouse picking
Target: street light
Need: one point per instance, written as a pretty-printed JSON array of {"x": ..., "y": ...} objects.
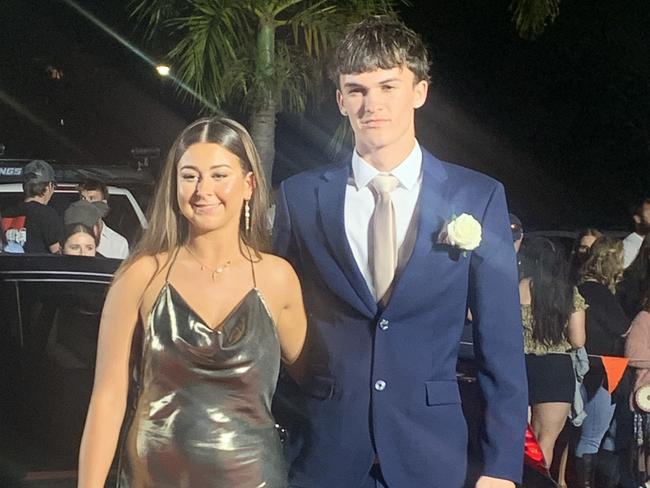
[{"x": 163, "y": 69}]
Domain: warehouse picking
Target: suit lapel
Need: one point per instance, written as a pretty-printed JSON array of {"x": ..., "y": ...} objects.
[
  {"x": 331, "y": 201},
  {"x": 432, "y": 212}
]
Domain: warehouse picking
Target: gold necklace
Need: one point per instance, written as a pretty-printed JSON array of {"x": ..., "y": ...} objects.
[{"x": 213, "y": 271}]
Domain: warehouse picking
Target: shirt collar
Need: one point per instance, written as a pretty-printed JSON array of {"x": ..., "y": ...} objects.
[{"x": 407, "y": 172}]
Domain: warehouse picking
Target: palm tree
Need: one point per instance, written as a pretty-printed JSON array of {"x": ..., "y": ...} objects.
[{"x": 261, "y": 56}]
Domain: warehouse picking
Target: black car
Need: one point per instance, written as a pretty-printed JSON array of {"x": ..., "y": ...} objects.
[{"x": 51, "y": 307}]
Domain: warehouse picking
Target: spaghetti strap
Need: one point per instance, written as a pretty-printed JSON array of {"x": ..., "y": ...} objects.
[
  {"x": 169, "y": 270},
  {"x": 250, "y": 258}
]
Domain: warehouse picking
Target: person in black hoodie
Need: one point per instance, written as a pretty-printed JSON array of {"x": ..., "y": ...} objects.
[{"x": 606, "y": 323}]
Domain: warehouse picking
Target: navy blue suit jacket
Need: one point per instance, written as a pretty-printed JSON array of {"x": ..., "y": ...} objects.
[{"x": 383, "y": 381}]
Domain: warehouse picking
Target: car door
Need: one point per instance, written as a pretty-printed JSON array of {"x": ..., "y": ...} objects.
[{"x": 51, "y": 306}]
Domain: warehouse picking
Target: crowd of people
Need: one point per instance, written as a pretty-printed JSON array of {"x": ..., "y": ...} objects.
[
  {"x": 33, "y": 226},
  {"x": 593, "y": 303},
  {"x": 388, "y": 253}
]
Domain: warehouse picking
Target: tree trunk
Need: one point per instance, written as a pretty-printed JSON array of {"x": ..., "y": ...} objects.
[
  {"x": 263, "y": 134},
  {"x": 263, "y": 116}
]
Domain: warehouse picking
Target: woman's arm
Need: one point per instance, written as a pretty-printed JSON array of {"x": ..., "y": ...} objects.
[
  {"x": 108, "y": 400},
  {"x": 576, "y": 329},
  {"x": 292, "y": 322}
]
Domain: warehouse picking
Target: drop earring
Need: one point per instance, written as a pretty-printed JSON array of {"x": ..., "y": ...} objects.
[{"x": 247, "y": 215}]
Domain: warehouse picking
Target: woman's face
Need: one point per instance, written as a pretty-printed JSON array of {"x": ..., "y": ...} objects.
[
  {"x": 80, "y": 244},
  {"x": 585, "y": 244},
  {"x": 211, "y": 187}
]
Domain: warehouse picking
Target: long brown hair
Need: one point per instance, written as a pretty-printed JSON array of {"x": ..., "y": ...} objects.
[
  {"x": 168, "y": 229},
  {"x": 550, "y": 289},
  {"x": 605, "y": 262}
]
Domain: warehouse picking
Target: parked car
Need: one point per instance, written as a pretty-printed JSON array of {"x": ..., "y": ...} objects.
[{"x": 51, "y": 307}]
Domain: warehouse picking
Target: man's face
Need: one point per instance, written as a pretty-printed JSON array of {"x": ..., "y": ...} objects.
[
  {"x": 92, "y": 196},
  {"x": 642, "y": 220},
  {"x": 380, "y": 106}
]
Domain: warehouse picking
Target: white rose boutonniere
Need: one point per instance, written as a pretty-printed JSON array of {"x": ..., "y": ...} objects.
[{"x": 462, "y": 232}]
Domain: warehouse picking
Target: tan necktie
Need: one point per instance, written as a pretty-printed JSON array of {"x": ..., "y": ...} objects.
[{"x": 382, "y": 231}]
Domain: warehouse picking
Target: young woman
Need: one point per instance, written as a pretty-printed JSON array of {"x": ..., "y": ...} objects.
[
  {"x": 554, "y": 323},
  {"x": 79, "y": 240},
  {"x": 606, "y": 323},
  {"x": 216, "y": 315}
]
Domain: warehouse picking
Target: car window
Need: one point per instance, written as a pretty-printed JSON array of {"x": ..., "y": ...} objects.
[
  {"x": 122, "y": 219},
  {"x": 8, "y": 200}
]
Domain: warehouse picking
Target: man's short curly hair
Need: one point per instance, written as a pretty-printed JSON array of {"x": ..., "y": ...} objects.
[{"x": 379, "y": 42}]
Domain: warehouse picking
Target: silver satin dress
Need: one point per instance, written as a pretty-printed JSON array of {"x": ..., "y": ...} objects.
[{"x": 202, "y": 414}]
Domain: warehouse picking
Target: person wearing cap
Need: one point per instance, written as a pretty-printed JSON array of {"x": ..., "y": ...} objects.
[
  {"x": 111, "y": 244},
  {"x": 32, "y": 224},
  {"x": 86, "y": 213}
]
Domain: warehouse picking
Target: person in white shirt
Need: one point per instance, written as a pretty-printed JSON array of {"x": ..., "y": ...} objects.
[
  {"x": 632, "y": 243},
  {"x": 111, "y": 244}
]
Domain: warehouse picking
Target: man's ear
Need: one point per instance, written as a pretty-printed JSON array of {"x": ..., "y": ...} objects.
[
  {"x": 637, "y": 219},
  {"x": 339, "y": 102},
  {"x": 421, "y": 89}
]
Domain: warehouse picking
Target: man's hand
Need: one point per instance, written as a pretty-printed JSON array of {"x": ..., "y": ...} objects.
[{"x": 488, "y": 482}]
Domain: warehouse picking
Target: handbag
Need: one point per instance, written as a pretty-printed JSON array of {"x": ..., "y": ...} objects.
[{"x": 642, "y": 398}]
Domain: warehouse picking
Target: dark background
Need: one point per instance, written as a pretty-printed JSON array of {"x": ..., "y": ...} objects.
[{"x": 562, "y": 121}]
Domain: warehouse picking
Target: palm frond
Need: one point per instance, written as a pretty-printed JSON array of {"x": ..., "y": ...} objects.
[
  {"x": 151, "y": 14},
  {"x": 531, "y": 17},
  {"x": 211, "y": 40}
]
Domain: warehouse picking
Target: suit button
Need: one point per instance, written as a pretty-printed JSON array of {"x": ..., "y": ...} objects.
[
  {"x": 383, "y": 324},
  {"x": 380, "y": 385}
]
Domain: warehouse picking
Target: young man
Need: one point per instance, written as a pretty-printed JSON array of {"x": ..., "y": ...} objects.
[
  {"x": 33, "y": 225},
  {"x": 111, "y": 244},
  {"x": 385, "y": 244},
  {"x": 632, "y": 243}
]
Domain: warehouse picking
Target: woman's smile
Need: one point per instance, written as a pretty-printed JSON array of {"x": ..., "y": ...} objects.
[{"x": 202, "y": 208}]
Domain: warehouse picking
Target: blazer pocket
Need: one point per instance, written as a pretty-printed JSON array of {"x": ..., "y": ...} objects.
[
  {"x": 321, "y": 387},
  {"x": 442, "y": 392}
]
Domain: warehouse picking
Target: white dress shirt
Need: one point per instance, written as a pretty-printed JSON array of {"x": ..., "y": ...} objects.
[
  {"x": 360, "y": 205},
  {"x": 631, "y": 246},
  {"x": 112, "y": 245}
]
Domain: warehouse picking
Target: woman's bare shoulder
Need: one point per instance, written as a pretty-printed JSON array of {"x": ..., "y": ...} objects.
[
  {"x": 277, "y": 267},
  {"x": 140, "y": 272},
  {"x": 142, "y": 266}
]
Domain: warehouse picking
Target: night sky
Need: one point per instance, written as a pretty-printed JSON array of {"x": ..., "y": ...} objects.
[{"x": 562, "y": 121}]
